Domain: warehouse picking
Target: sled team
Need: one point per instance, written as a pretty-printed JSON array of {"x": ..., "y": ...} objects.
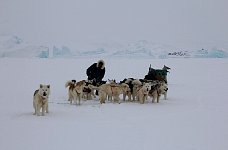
[{"x": 131, "y": 89}]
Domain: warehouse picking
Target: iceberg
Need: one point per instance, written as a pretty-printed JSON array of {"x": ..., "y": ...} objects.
[{"x": 15, "y": 47}]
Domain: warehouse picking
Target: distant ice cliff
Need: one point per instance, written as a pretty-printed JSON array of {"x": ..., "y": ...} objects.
[{"x": 15, "y": 47}]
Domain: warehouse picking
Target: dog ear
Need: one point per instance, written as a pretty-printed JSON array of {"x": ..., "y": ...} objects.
[
  {"x": 48, "y": 86},
  {"x": 41, "y": 86}
]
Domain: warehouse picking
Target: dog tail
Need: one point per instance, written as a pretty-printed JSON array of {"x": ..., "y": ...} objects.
[{"x": 69, "y": 83}]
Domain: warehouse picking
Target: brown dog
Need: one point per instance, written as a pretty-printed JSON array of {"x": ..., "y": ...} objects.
[
  {"x": 78, "y": 91},
  {"x": 75, "y": 91},
  {"x": 112, "y": 90}
]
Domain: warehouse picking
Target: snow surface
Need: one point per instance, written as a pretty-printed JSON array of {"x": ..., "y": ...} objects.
[{"x": 195, "y": 116}]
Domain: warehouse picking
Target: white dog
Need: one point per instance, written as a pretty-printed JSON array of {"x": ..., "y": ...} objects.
[
  {"x": 143, "y": 91},
  {"x": 157, "y": 90},
  {"x": 163, "y": 89},
  {"x": 40, "y": 99}
]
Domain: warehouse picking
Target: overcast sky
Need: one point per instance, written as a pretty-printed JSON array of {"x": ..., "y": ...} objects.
[{"x": 174, "y": 22}]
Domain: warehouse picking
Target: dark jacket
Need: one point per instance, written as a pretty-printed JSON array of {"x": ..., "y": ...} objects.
[{"x": 94, "y": 72}]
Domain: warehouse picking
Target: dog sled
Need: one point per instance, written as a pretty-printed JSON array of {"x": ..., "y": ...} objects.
[{"x": 157, "y": 74}]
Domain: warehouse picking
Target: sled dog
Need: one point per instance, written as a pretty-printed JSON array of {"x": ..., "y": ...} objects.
[
  {"x": 78, "y": 91},
  {"x": 157, "y": 90},
  {"x": 130, "y": 85},
  {"x": 143, "y": 91},
  {"x": 88, "y": 91},
  {"x": 75, "y": 90},
  {"x": 133, "y": 84},
  {"x": 136, "y": 86},
  {"x": 104, "y": 92},
  {"x": 71, "y": 84},
  {"x": 112, "y": 90},
  {"x": 163, "y": 89},
  {"x": 40, "y": 99},
  {"x": 119, "y": 89}
]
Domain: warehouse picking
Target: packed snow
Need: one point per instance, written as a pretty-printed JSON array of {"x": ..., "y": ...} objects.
[{"x": 195, "y": 116}]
